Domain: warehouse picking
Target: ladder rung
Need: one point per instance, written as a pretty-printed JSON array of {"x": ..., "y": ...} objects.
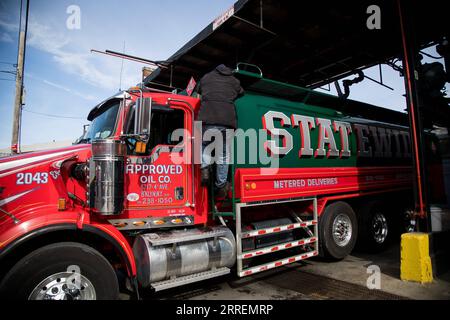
[
  {"x": 278, "y": 263},
  {"x": 275, "y": 248},
  {"x": 259, "y": 232},
  {"x": 179, "y": 281},
  {"x": 223, "y": 214}
]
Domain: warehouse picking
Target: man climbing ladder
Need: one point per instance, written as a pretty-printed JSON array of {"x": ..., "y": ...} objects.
[{"x": 219, "y": 89}]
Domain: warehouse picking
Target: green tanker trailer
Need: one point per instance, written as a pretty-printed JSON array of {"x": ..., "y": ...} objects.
[{"x": 307, "y": 157}]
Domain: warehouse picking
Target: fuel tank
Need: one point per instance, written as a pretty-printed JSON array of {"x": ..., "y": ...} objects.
[{"x": 161, "y": 256}]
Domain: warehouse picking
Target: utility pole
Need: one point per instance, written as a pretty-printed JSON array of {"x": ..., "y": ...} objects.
[{"x": 18, "y": 102}]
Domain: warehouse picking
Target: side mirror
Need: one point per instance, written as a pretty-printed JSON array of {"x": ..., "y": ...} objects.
[{"x": 143, "y": 117}]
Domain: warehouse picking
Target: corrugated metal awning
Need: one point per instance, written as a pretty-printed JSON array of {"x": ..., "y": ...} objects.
[{"x": 298, "y": 42}]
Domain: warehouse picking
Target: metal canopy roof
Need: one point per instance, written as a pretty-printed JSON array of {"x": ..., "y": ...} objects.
[{"x": 303, "y": 44}]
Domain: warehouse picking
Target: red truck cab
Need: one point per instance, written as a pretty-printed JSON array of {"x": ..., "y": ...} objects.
[{"x": 48, "y": 194}]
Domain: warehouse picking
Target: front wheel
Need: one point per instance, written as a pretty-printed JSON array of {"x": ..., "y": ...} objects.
[
  {"x": 61, "y": 271},
  {"x": 338, "y": 230}
]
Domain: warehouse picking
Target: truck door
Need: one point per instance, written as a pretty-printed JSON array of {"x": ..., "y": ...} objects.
[{"x": 161, "y": 177}]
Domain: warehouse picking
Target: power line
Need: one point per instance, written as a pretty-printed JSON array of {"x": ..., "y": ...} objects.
[
  {"x": 3, "y": 79},
  {"x": 53, "y": 115}
]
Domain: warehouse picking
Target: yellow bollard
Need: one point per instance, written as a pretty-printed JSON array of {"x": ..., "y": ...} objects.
[{"x": 415, "y": 262}]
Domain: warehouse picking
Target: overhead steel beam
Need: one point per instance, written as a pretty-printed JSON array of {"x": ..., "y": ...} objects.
[{"x": 254, "y": 25}]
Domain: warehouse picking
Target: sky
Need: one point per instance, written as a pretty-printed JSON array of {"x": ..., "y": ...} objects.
[{"x": 64, "y": 80}]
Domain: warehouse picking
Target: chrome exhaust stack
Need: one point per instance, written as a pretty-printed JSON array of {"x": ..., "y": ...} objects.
[{"x": 108, "y": 160}]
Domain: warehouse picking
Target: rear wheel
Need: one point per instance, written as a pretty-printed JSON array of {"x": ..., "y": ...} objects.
[
  {"x": 338, "y": 230},
  {"x": 61, "y": 271},
  {"x": 375, "y": 227}
]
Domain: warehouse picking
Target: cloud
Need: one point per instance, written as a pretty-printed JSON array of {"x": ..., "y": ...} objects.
[
  {"x": 88, "y": 97},
  {"x": 7, "y": 30},
  {"x": 84, "y": 65},
  {"x": 74, "y": 92},
  {"x": 46, "y": 39},
  {"x": 72, "y": 55},
  {"x": 6, "y": 37},
  {"x": 10, "y": 27}
]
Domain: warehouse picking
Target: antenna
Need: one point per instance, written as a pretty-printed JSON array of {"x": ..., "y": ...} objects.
[{"x": 121, "y": 68}]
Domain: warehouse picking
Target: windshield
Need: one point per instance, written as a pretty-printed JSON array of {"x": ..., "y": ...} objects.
[{"x": 104, "y": 123}]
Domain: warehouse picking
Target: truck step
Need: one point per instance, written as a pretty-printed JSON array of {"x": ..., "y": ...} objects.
[
  {"x": 183, "y": 236},
  {"x": 179, "y": 281},
  {"x": 278, "y": 247},
  {"x": 309, "y": 245},
  {"x": 223, "y": 214},
  {"x": 278, "y": 263},
  {"x": 286, "y": 227}
]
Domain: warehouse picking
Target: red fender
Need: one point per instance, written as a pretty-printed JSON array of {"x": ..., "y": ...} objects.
[{"x": 14, "y": 234}]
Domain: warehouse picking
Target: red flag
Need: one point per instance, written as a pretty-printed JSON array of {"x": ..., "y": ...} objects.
[{"x": 191, "y": 86}]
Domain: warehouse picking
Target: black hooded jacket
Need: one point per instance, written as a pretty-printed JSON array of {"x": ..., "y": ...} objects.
[{"x": 219, "y": 88}]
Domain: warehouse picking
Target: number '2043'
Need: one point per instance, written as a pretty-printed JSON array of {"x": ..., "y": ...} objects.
[{"x": 30, "y": 178}]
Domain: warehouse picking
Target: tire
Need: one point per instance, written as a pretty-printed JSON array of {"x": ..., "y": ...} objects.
[
  {"x": 376, "y": 227},
  {"x": 337, "y": 216},
  {"x": 45, "y": 274}
]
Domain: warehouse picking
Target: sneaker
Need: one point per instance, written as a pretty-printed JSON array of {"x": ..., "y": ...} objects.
[{"x": 222, "y": 193}]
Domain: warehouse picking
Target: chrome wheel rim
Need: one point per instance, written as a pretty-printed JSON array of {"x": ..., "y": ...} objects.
[
  {"x": 64, "y": 286},
  {"x": 342, "y": 230},
  {"x": 379, "y": 228}
]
